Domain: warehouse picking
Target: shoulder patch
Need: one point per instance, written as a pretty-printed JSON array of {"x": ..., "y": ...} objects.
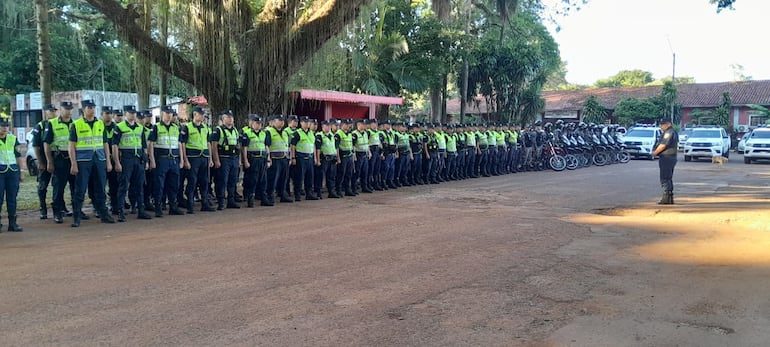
[{"x": 666, "y": 135}]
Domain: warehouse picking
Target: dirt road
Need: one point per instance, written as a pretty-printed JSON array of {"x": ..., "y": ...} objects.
[{"x": 580, "y": 258}]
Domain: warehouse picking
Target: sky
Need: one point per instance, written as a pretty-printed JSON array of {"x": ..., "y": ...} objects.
[{"x": 607, "y": 36}]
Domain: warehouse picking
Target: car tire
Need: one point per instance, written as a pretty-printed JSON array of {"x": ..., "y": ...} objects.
[
  {"x": 687, "y": 158},
  {"x": 727, "y": 154},
  {"x": 746, "y": 160}
]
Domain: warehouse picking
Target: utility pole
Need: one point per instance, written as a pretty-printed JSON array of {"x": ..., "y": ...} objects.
[{"x": 673, "y": 75}]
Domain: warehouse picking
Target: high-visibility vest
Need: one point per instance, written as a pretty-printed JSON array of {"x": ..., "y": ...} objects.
[
  {"x": 451, "y": 143},
  {"x": 198, "y": 139},
  {"x": 90, "y": 140},
  {"x": 306, "y": 143},
  {"x": 470, "y": 139},
  {"x": 256, "y": 139},
  {"x": 362, "y": 143},
  {"x": 279, "y": 142},
  {"x": 491, "y": 138},
  {"x": 374, "y": 137},
  {"x": 228, "y": 140},
  {"x": 130, "y": 138},
  {"x": 8, "y": 154},
  {"x": 346, "y": 140},
  {"x": 61, "y": 134},
  {"x": 328, "y": 144},
  {"x": 168, "y": 138}
]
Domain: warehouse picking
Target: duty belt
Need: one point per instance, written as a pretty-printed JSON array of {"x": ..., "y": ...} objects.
[
  {"x": 136, "y": 153},
  {"x": 330, "y": 157},
  {"x": 442, "y": 150},
  {"x": 304, "y": 156},
  {"x": 256, "y": 154},
  {"x": 195, "y": 153},
  {"x": 403, "y": 150},
  {"x": 345, "y": 153},
  {"x": 278, "y": 155},
  {"x": 61, "y": 154}
]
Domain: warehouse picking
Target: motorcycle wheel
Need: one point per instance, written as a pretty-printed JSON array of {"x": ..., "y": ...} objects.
[
  {"x": 624, "y": 157},
  {"x": 599, "y": 159},
  {"x": 32, "y": 166},
  {"x": 557, "y": 163},
  {"x": 572, "y": 162}
]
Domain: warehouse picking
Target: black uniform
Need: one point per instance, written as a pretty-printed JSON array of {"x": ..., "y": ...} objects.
[
  {"x": 667, "y": 162},
  {"x": 43, "y": 176}
]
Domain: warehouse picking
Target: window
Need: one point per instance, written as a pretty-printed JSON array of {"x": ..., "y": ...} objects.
[
  {"x": 757, "y": 119},
  {"x": 19, "y": 119}
]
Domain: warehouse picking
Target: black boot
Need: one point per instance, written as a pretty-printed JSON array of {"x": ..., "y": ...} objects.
[
  {"x": 143, "y": 214},
  {"x": 174, "y": 210},
  {"x": 158, "y": 212},
  {"x": 106, "y": 217},
  {"x": 77, "y": 215},
  {"x": 670, "y": 198},
  {"x": 666, "y": 199},
  {"x": 250, "y": 201},
  {"x": 43, "y": 211},
  {"x": 12, "y": 226},
  {"x": 121, "y": 216}
]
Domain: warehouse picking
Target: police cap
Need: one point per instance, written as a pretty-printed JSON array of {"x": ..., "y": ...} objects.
[
  {"x": 198, "y": 109},
  {"x": 255, "y": 118},
  {"x": 107, "y": 109},
  {"x": 129, "y": 108},
  {"x": 49, "y": 107},
  {"x": 167, "y": 109},
  {"x": 67, "y": 105},
  {"x": 87, "y": 103}
]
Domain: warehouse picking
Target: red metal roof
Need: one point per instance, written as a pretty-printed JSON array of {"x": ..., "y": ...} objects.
[{"x": 327, "y": 95}]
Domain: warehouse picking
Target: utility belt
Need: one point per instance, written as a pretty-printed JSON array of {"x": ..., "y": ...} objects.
[
  {"x": 442, "y": 150},
  {"x": 483, "y": 147},
  {"x": 361, "y": 153},
  {"x": 196, "y": 153},
  {"x": 131, "y": 153},
  {"x": 164, "y": 154},
  {"x": 227, "y": 153},
  {"x": 305, "y": 156},
  {"x": 375, "y": 148},
  {"x": 330, "y": 158},
  {"x": 391, "y": 149},
  {"x": 278, "y": 155},
  {"x": 61, "y": 155},
  {"x": 453, "y": 154},
  {"x": 403, "y": 150},
  {"x": 346, "y": 153},
  {"x": 256, "y": 154}
]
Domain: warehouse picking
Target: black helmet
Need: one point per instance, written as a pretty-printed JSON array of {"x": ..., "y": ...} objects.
[
  {"x": 559, "y": 123},
  {"x": 582, "y": 125},
  {"x": 538, "y": 123},
  {"x": 548, "y": 125}
]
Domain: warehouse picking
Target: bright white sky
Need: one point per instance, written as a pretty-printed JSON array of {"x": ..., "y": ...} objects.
[{"x": 607, "y": 36}]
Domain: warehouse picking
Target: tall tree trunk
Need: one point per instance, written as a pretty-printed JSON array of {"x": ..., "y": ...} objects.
[
  {"x": 143, "y": 69},
  {"x": 163, "y": 10},
  {"x": 464, "y": 87},
  {"x": 442, "y": 9},
  {"x": 43, "y": 49}
]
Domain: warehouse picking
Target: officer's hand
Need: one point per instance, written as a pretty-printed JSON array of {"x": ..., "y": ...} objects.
[
  {"x": 339, "y": 161},
  {"x": 317, "y": 163},
  {"x": 186, "y": 165},
  {"x": 40, "y": 166},
  {"x": 50, "y": 168},
  {"x": 21, "y": 176},
  {"x": 211, "y": 163},
  {"x": 427, "y": 156},
  {"x": 152, "y": 164},
  {"x": 411, "y": 157},
  {"x": 217, "y": 164},
  {"x": 118, "y": 167},
  {"x": 181, "y": 165},
  {"x": 269, "y": 163},
  {"x": 246, "y": 165},
  {"x": 294, "y": 162},
  {"x": 73, "y": 170},
  {"x": 109, "y": 166},
  {"x": 146, "y": 166}
]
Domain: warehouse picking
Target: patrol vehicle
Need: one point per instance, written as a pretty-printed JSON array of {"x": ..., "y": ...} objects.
[
  {"x": 707, "y": 142},
  {"x": 757, "y": 145},
  {"x": 640, "y": 141}
]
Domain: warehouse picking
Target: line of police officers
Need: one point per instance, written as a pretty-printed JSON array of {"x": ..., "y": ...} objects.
[{"x": 145, "y": 165}]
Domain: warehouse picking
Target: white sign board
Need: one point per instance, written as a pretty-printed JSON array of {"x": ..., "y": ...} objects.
[
  {"x": 21, "y": 135},
  {"x": 20, "y": 102},
  {"x": 36, "y": 101}
]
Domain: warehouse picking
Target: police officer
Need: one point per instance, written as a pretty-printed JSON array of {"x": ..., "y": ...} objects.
[
  {"x": 226, "y": 160},
  {"x": 255, "y": 158},
  {"x": 113, "y": 181},
  {"x": 375, "y": 135},
  {"x": 361, "y": 146},
  {"x": 129, "y": 149},
  {"x": 195, "y": 150},
  {"x": 89, "y": 154},
  {"x": 303, "y": 154},
  {"x": 43, "y": 176},
  {"x": 163, "y": 151},
  {"x": 347, "y": 160},
  {"x": 416, "y": 149},
  {"x": 56, "y": 147},
  {"x": 10, "y": 175},
  {"x": 145, "y": 118},
  {"x": 389, "y": 150},
  {"x": 278, "y": 171},
  {"x": 327, "y": 150},
  {"x": 666, "y": 149},
  {"x": 290, "y": 127}
]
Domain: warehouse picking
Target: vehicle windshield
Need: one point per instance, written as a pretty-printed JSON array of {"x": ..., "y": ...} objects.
[
  {"x": 706, "y": 133},
  {"x": 685, "y": 132},
  {"x": 641, "y": 133},
  {"x": 760, "y": 135}
]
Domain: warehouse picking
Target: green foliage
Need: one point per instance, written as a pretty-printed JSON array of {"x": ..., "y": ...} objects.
[
  {"x": 626, "y": 78},
  {"x": 760, "y": 109},
  {"x": 667, "y": 101},
  {"x": 593, "y": 111},
  {"x": 722, "y": 113},
  {"x": 678, "y": 80},
  {"x": 631, "y": 110}
]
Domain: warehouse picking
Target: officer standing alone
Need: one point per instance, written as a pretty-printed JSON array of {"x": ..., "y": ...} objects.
[{"x": 666, "y": 149}]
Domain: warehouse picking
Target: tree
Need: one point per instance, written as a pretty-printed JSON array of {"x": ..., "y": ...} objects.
[
  {"x": 43, "y": 49},
  {"x": 668, "y": 102},
  {"x": 626, "y": 78},
  {"x": 723, "y": 4},
  {"x": 722, "y": 113},
  {"x": 631, "y": 110},
  {"x": 739, "y": 73},
  {"x": 245, "y": 51},
  {"x": 593, "y": 111}
]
